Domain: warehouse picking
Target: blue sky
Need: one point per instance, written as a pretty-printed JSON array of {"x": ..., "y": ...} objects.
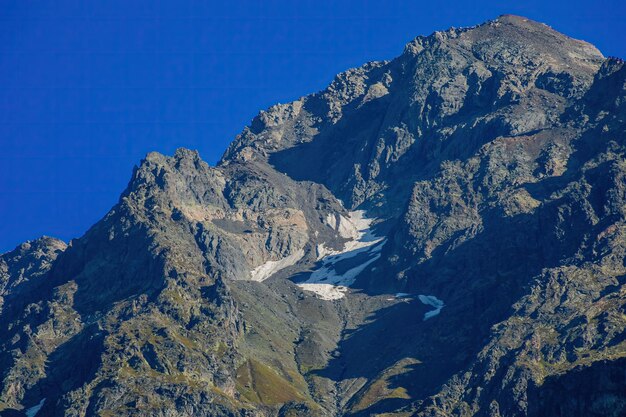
[{"x": 87, "y": 88}]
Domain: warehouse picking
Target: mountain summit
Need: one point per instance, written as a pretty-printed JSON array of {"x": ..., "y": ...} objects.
[{"x": 442, "y": 234}]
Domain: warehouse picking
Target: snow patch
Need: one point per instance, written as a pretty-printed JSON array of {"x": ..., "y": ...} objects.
[
  {"x": 403, "y": 295},
  {"x": 432, "y": 301},
  {"x": 357, "y": 228},
  {"x": 325, "y": 291},
  {"x": 32, "y": 412},
  {"x": 269, "y": 268},
  {"x": 327, "y": 281},
  {"x": 328, "y": 272},
  {"x": 348, "y": 228}
]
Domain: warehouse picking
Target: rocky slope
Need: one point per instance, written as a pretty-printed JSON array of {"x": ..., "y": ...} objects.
[{"x": 441, "y": 234}]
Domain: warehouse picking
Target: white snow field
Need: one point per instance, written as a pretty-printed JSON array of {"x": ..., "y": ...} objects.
[
  {"x": 32, "y": 412},
  {"x": 269, "y": 268},
  {"x": 333, "y": 278},
  {"x": 432, "y": 301},
  {"x": 429, "y": 300},
  {"x": 403, "y": 295}
]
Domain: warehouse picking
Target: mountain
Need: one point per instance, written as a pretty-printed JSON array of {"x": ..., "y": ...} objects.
[{"x": 442, "y": 234}]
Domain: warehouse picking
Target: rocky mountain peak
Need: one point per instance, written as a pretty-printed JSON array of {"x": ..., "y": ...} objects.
[
  {"x": 521, "y": 36},
  {"x": 447, "y": 95},
  {"x": 28, "y": 262}
]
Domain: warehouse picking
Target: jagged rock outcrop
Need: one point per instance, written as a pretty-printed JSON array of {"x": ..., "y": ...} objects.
[
  {"x": 28, "y": 262},
  {"x": 487, "y": 282}
]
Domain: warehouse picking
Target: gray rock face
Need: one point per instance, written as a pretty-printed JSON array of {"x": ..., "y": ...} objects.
[
  {"x": 27, "y": 263},
  {"x": 491, "y": 159}
]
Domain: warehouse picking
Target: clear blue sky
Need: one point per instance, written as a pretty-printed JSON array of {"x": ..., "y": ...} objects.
[{"x": 87, "y": 88}]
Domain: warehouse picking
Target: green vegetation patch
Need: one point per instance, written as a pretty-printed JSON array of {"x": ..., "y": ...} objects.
[
  {"x": 258, "y": 383},
  {"x": 380, "y": 389}
]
